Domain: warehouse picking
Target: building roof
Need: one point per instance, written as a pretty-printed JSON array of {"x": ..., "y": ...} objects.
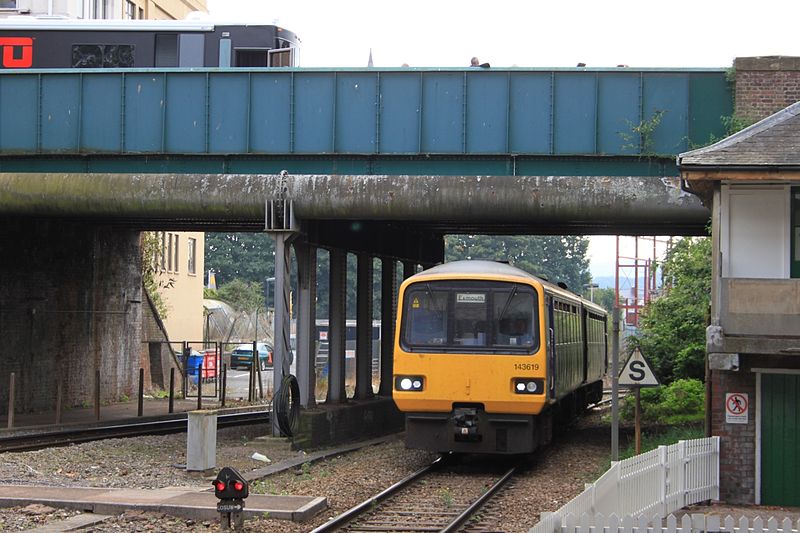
[{"x": 772, "y": 142}]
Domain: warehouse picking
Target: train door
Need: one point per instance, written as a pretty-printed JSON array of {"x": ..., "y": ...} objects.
[{"x": 551, "y": 347}]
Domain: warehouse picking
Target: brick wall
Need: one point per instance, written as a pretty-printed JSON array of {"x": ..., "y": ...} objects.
[
  {"x": 765, "y": 85},
  {"x": 70, "y": 304},
  {"x": 737, "y": 441}
]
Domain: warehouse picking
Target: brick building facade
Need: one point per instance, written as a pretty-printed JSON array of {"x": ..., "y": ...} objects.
[{"x": 765, "y": 85}]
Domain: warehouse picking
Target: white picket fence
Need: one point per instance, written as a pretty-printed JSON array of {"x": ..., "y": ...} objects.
[
  {"x": 695, "y": 523},
  {"x": 655, "y": 483}
]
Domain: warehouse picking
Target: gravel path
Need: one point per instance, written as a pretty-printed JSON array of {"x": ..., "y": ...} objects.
[{"x": 154, "y": 462}]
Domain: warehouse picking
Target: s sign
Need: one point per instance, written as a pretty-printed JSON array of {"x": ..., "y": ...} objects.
[{"x": 17, "y": 52}]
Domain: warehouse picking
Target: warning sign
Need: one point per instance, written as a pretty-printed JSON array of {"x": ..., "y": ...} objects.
[
  {"x": 637, "y": 373},
  {"x": 737, "y": 407}
]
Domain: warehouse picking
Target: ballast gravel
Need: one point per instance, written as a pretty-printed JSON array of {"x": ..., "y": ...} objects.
[{"x": 558, "y": 474}]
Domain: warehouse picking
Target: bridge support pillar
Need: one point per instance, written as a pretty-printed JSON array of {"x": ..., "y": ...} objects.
[
  {"x": 388, "y": 317},
  {"x": 364, "y": 328},
  {"x": 306, "y": 318},
  {"x": 337, "y": 326}
]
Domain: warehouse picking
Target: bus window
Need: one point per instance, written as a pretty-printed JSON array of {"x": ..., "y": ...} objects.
[
  {"x": 102, "y": 55},
  {"x": 191, "y": 49},
  {"x": 280, "y": 58},
  {"x": 251, "y": 57},
  {"x": 167, "y": 50}
]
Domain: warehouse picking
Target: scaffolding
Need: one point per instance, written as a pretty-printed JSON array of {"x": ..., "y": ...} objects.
[{"x": 637, "y": 275}]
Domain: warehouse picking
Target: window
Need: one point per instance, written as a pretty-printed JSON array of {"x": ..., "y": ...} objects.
[
  {"x": 191, "y": 255},
  {"x": 167, "y": 50},
  {"x": 141, "y": 13},
  {"x": 470, "y": 317},
  {"x": 102, "y": 55},
  {"x": 175, "y": 248},
  {"x": 163, "y": 249},
  {"x": 795, "y": 268},
  {"x": 251, "y": 58},
  {"x": 8, "y": 5},
  {"x": 130, "y": 10},
  {"x": 280, "y": 58},
  {"x": 169, "y": 252}
]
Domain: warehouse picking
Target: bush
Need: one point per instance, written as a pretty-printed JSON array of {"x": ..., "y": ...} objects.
[{"x": 680, "y": 402}]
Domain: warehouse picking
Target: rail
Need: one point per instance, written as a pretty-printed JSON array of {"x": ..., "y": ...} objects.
[{"x": 40, "y": 440}]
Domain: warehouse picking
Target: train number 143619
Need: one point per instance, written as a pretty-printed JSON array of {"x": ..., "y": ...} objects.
[{"x": 526, "y": 366}]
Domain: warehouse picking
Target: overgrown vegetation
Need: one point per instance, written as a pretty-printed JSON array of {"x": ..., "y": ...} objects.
[
  {"x": 653, "y": 439},
  {"x": 641, "y": 137},
  {"x": 239, "y": 294},
  {"x": 679, "y": 403},
  {"x": 672, "y": 328},
  {"x": 153, "y": 277}
]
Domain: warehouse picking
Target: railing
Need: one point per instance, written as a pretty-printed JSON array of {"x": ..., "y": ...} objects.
[
  {"x": 655, "y": 483},
  {"x": 688, "y": 524}
]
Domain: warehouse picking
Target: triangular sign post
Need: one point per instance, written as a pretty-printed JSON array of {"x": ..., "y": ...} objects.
[{"x": 637, "y": 373}]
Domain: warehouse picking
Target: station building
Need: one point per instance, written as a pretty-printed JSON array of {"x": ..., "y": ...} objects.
[{"x": 751, "y": 181}]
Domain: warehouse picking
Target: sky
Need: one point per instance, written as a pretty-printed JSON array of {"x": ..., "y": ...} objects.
[{"x": 529, "y": 33}]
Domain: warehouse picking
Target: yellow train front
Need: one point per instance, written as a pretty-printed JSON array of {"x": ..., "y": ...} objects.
[{"x": 488, "y": 358}]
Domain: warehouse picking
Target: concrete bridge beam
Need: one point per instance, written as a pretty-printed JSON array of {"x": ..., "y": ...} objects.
[{"x": 565, "y": 204}]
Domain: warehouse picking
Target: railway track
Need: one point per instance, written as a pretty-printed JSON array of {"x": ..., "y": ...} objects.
[
  {"x": 439, "y": 497},
  {"x": 40, "y": 440}
]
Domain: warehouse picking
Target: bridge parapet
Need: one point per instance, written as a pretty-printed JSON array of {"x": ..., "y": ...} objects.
[{"x": 381, "y": 112}]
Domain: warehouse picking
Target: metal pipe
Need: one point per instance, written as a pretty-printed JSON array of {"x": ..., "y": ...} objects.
[
  {"x": 12, "y": 392},
  {"x": 97, "y": 395},
  {"x": 140, "y": 409},
  {"x": 171, "y": 390}
]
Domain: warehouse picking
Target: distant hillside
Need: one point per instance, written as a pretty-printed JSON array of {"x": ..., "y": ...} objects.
[{"x": 604, "y": 281}]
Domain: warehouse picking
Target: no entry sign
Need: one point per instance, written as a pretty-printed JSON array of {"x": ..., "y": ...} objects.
[{"x": 737, "y": 408}]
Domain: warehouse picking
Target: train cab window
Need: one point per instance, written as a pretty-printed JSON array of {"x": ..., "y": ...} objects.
[
  {"x": 251, "y": 57},
  {"x": 469, "y": 317},
  {"x": 427, "y": 318},
  {"x": 103, "y": 55}
]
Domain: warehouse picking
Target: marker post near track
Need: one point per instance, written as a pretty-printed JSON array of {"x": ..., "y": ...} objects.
[{"x": 637, "y": 374}]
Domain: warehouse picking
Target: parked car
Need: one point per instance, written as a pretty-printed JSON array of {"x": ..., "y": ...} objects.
[{"x": 242, "y": 356}]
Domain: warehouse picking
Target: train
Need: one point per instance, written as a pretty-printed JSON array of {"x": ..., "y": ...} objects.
[
  {"x": 489, "y": 358},
  {"x": 60, "y": 43}
]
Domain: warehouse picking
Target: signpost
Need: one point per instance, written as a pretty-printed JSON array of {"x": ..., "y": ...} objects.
[{"x": 637, "y": 374}]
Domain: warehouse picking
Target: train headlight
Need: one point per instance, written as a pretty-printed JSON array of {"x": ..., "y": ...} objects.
[
  {"x": 528, "y": 386},
  {"x": 408, "y": 383}
]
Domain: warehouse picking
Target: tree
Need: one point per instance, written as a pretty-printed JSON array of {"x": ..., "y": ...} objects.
[
  {"x": 672, "y": 333},
  {"x": 557, "y": 258},
  {"x": 242, "y": 295},
  {"x": 249, "y": 257}
]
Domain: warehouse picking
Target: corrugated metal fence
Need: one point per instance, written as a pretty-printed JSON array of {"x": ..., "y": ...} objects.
[{"x": 654, "y": 483}]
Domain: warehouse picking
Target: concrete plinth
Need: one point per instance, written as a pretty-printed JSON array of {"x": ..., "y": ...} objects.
[
  {"x": 354, "y": 420},
  {"x": 201, "y": 441}
]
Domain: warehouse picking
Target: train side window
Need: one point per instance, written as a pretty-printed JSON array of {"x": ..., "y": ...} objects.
[{"x": 167, "y": 50}]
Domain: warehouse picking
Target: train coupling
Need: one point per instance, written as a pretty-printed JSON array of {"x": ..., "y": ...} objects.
[{"x": 465, "y": 424}]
